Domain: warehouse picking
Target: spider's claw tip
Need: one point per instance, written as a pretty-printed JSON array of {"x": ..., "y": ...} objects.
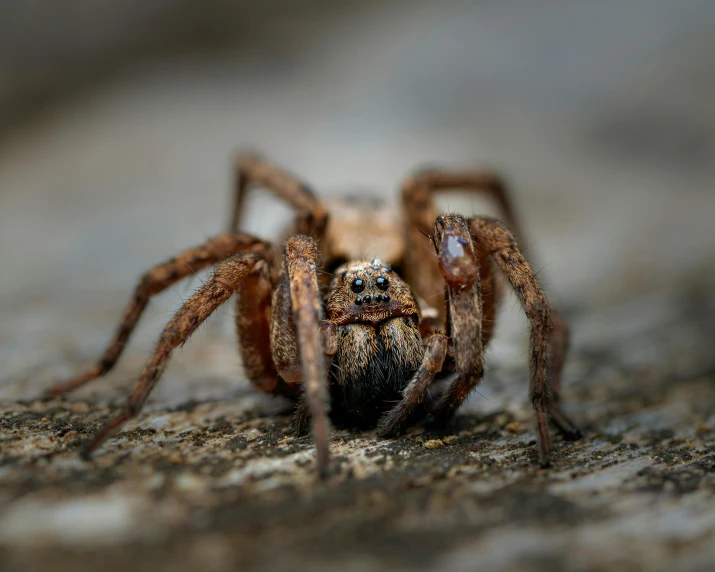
[
  {"x": 574, "y": 435},
  {"x": 85, "y": 452},
  {"x": 568, "y": 431},
  {"x": 323, "y": 473},
  {"x": 387, "y": 430},
  {"x": 55, "y": 390}
]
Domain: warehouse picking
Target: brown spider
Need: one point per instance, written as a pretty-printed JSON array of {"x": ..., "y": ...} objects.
[{"x": 367, "y": 340}]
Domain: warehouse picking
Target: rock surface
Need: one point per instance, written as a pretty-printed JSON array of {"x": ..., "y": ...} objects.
[{"x": 221, "y": 482}]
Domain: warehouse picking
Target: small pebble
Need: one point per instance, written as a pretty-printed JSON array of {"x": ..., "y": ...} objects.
[
  {"x": 513, "y": 427},
  {"x": 433, "y": 444},
  {"x": 359, "y": 471},
  {"x": 188, "y": 482},
  {"x": 702, "y": 428}
]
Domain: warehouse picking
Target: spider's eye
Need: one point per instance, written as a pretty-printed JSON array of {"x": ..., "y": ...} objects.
[
  {"x": 382, "y": 283},
  {"x": 358, "y": 285}
]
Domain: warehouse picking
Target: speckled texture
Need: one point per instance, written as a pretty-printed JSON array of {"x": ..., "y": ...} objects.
[
  {"x": 209, "y": 475},
  {"x": 223, "y": 482}
]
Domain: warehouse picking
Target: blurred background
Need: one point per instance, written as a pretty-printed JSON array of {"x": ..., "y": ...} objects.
[
  {"x": 119, "y": 120},
  {"x": 118, "y": 124}
]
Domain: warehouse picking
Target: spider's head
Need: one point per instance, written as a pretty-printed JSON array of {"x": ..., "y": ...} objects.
[{"x": 369, "y": 291}]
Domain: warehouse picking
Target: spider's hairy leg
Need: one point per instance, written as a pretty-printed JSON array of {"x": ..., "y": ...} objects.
[
  {"x": 559, "y": 346},
  {"x": 394, "y": 421},
  {"x": 155, "y": 281},
  {"x": 329, "y": 338},
  {"x": 491, "y": 291},
  {"x": 502, "y": 247},
  {"x": 459, "y": 266},
  {"x": 253, "y": 328},
  {"x": 229, "y": 276},
  {"x": 418, "y": 192},
  {"x": 298, "y": 338},
  {"x": 252, "y": 170}
]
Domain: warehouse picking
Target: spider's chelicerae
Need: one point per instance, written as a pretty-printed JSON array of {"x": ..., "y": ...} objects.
[{"x": 354, "y": 339}]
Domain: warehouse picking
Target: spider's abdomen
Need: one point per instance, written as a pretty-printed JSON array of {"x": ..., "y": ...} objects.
[{"x": 371, "y": 367}]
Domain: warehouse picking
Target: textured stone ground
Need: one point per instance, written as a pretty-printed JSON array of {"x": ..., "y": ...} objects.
[
  {"x": 221, "y": 482},
  {"x": 613, "y": 162}
]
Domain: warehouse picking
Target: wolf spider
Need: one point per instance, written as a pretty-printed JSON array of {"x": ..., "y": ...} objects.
[{"x": 359, "y": 336}]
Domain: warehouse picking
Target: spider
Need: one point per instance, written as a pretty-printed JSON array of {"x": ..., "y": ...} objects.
[{"x": 358, "y": 343}]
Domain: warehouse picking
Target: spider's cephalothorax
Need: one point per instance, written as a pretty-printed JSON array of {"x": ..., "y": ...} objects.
[{"x": 368, "y": 342}]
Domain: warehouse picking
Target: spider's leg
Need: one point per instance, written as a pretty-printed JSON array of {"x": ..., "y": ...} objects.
[
  {"x": 229, "y": 276},
  {"x": 252, "y": 170},
  {"x": 329, "y": 338},
  {"x": 559, "y": 346},
  {"x": 394, "y": 421},
  {"x": 459, "y": 266},
  {"x": 502, "y": 247},
  {"x": 491, "y": 289},
  {"x": 299, "y": 339},
  {"x": 253, "y": 329},
  {"x": 156, "y": 280},
  {"x": 419, "y": 189},
  {"x": 418, "y": 193}
]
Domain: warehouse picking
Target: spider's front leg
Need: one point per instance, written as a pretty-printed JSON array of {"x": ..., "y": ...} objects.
[
  {"x": 299, "y": 340},
  {"x": 460, "y": 268},
  {"x": 548, "y": 332}
]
